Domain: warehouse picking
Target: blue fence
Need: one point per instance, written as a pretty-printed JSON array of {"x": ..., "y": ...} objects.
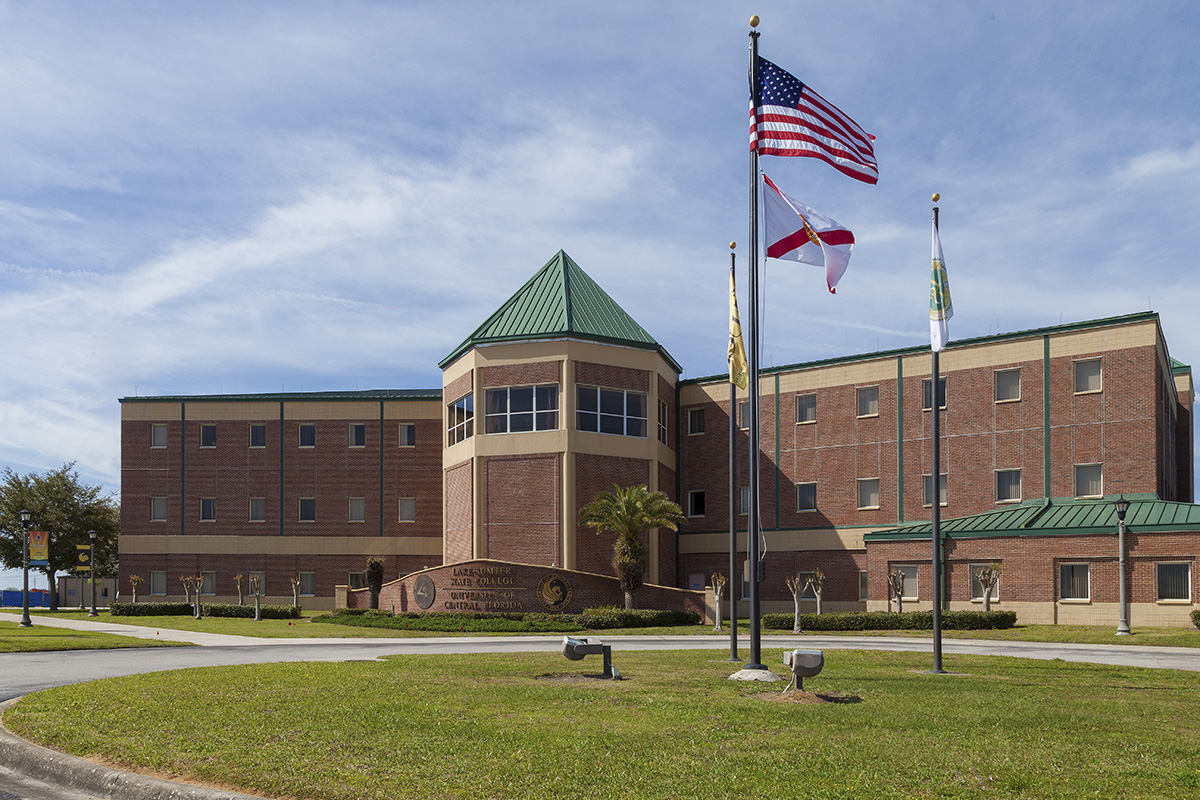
[{"x": 38, "y": 598}]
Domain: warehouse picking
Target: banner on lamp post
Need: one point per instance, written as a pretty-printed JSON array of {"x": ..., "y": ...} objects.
[
  {"x": 83, "y": 558},
  {"x": 39, "y": 549}
]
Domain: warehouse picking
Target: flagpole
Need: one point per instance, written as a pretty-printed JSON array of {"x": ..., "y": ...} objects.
[
  {"x": 936, "y": 516},
  {"x": 753, "y": 530},
  {"x": 733, "y": 574}
]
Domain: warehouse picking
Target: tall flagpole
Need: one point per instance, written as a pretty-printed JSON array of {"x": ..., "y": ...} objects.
[
  {"x": 733, "y": 515},
  {"x": 936, "y": 516},
  {"x": 754, "y": 527}
]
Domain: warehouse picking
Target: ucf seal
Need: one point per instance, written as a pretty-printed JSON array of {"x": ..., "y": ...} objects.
[{"x": 554, "y": 592}]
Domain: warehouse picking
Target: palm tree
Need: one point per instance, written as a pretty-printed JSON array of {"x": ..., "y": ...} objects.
[{"x": 629, "y": 513}]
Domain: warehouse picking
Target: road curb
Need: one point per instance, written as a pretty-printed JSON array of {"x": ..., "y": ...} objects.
[{"x": 43, "y": 764}]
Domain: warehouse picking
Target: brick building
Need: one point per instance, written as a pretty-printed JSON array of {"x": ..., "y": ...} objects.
[{"x": 575, "y": 396}]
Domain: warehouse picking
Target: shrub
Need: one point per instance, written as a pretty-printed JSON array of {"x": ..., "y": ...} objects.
[
  {"x": 892, "y": 621},
  {"x": 151, "y": 609},
  {"x": 187, "y": 609},
  {"x": 1196, "y": 617},
  {"x": 509, "y": 622},
  {"x": 247, "y": 612}
]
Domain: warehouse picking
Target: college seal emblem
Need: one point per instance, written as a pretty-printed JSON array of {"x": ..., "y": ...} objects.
[{"x": 554, "y": 592}]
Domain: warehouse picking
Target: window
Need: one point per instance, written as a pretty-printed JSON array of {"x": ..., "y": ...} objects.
[
  {"x": 868, "y": 401},
  {"x": 744, "y": 415},
  {"x": 862, "y": 584},
  {"x": 208, "y": 581},
  {"x": 308, "y": 434},
  {"x": 1008, "y": 385},
  {"x": 358, "y": 509},
  {"x": 806, "y": 408},
  {"x": 208, "y": 435},
  {"x": 208, "y": 509},
  {"x": 1073, "y": 582},
  {"x": 308, "y": 583},
  {"x": 1088, "y": 376},
  {"x": 358, "y": 434},
  {"x": 308, "y": 509},
  {"x": 158, "y": 581},
  {"x": 909, "y": 571},
  {"x": 744, "y": 500},
  {"x": 696, "y": 503},
  {"x": 977, "y": 587},
  {"x": 408, "y": 434},
  {"x": 1089, "y": 480},
  {"x": 1008, "y": 485},
  {"x": 927, "y": 393},
  {"x": 357, "y": 580},
  {"x": 158, "y": 509},
  {"x": 868, "y": 493},
  {"x": 695, "y": 421},
  {"x": 806, "y": 497},
  {"x": 408, "y": 509},
  {"x": 612, "y": 411},
  {"x": 262, "y": 582},
  {"x": 158, "y": 436},
  {"x": 928, "y": 490},
  {"x": 460, "y": 419},
  {"x": 664, "y": 415},
  {"x": 1174, "y": 581},
  {"x": 258, "y": 435},
  {"x": 258, "y": 509},
  {"x": 517, "y": 409}
]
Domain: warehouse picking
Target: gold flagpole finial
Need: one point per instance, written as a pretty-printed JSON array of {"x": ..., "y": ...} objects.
[
  {"x": 936, "y": 197},
  {"x": 754, "y": 21},
  {"x": 732, "y": 245}
]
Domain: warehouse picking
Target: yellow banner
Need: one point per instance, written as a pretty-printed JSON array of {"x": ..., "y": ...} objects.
[{"x": 39, "y": 548}]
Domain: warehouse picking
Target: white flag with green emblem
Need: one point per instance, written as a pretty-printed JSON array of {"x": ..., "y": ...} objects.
[{"x": 940, "y": 310}]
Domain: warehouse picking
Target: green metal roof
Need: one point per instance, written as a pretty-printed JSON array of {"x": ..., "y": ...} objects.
[
  {"x": 953, "y": 345},
  {"x": 1059, "y": 516},
  {"x": 293, "y": 397},
  {"x": 560, "y": 301}
]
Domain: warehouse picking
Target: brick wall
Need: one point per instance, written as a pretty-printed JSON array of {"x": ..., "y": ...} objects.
[
  {"x": 521, "y": 374},
  {"x": 612, "y": 377},
  {"x": 522, "y": 508},
  {"x": 458, "y": 542},
  {"x": 595, "y": 474}
]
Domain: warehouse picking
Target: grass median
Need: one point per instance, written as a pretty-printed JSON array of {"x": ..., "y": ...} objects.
[
  {"x": 41, "y": 638},
  {"x": 531, "y": 725}
]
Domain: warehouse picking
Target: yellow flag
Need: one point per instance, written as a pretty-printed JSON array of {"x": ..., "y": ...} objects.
[{"x": 739, "y": 373}]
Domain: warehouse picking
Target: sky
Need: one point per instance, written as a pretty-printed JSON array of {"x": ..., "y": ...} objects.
[{"x": 229, "y": 197}]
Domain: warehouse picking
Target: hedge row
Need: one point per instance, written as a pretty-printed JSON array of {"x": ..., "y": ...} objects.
[
  {"x": 506, "y": 622},
  {"x": 209, "y": 610},
  {"x": 893, "y": 621}
]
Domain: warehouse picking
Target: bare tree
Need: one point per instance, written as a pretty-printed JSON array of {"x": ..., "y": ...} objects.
[
  {"x": 295, "y": 579},
  {"x": 134, "y": 582},
  {"x": 816, "y": 581},
  {"x": 796, "y": 584},
  {"x": 988, "y": 577},
  {"x": 194, "y": 582},
  {"x": 896, "y": 588},
  {"x": 238, "y": 580},
  {"x": 256, "y": 591},
  {"x": 718, "y": 586},
  {"x": 186, "y": 580}
]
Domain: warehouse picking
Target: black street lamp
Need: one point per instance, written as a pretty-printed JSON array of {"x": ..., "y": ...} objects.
[
  {"x": 1122, "y": 505},
  {"x": 25, "y": 525},
  {"x": 92, "y": 570}
]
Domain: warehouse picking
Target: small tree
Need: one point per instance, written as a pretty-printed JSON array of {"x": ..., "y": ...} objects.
[
  {"x": 816, "y": 580},
  {"x": 896, "y": 588},
  {"x": 796, "y": 584},
  {"x": 718, "y": 587},
  {"x": 374, "y": 580},
  {"x": 134, "y": 582},
  {"x": 186, "y": 580},
  {"x": 256, "y": 591},
  {"x": 629, "y": 513},
  {"x": 194, "y": 582},
  {"x": 238, "y": 580},
  {"x": 988, "y": 577},
  {"x": 295, "y": 579}
]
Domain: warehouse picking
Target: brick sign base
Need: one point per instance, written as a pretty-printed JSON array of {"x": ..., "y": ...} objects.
[{"x": 503, "y": 586}]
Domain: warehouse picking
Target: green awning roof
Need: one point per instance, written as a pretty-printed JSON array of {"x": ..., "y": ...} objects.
[
  {"x": 1057, "y": 517},
  {"x": 561, "y": 301}
]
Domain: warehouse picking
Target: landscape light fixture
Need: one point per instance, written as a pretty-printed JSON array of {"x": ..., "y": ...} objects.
[{"x": 1122, "y": 505}]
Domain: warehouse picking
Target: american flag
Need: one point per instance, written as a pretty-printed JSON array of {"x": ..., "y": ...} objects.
[{"x": 793, "y": 120}]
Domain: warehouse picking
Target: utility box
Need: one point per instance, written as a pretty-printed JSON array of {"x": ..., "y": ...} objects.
[{"x": 804, "y": 664}]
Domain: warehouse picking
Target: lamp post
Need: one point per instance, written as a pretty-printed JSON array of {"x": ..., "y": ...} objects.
[
  {"x": 25, "y": 523},
  {"x": 1122, "y": 505},
  {"x": 92, "y": 570}
]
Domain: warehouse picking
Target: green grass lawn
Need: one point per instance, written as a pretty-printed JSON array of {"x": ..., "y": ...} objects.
[
  {"x": 15, "y": 639},
  {"x": 528, "y": 725}
]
